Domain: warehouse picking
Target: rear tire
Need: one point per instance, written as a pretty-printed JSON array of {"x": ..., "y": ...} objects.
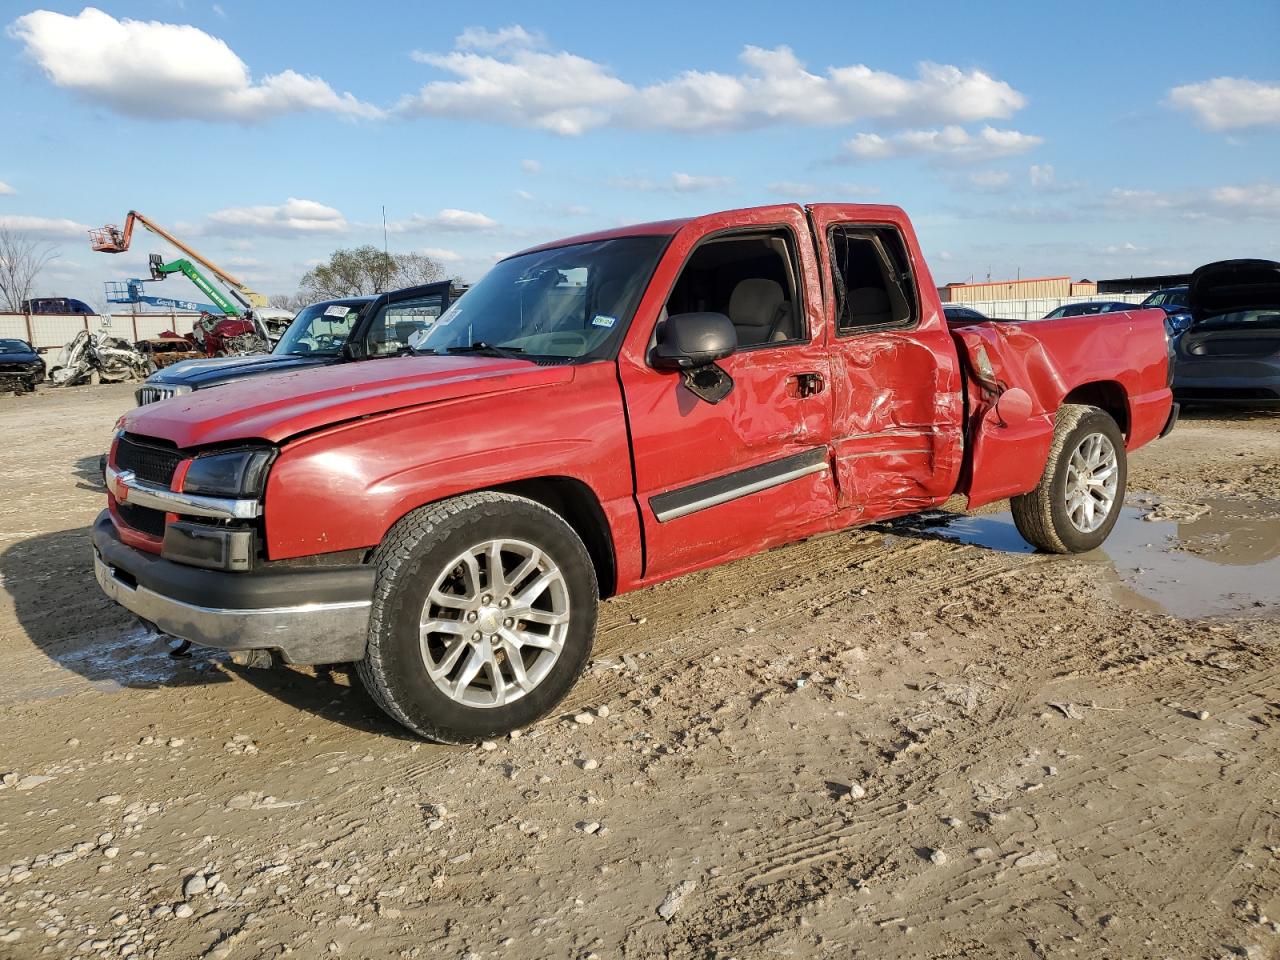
[
  {"x": 483, "y": 617},
  {"x": 1078, "y": 499}
]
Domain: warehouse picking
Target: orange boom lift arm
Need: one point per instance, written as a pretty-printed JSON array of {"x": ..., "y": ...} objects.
[{"x": 111, "y": 239}]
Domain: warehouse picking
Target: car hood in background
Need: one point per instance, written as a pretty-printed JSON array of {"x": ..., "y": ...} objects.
[
  {"x": 1232, "y": 286},
  {"x": 210, "y": 370}
]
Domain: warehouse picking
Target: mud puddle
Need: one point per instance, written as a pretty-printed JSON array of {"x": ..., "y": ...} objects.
[
  {"x": 134, "y": 660},
  {"x": 1209, "y": 558}
]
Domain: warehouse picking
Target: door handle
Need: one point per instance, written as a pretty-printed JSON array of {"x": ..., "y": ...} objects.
[{"x": 805, "y": 385}]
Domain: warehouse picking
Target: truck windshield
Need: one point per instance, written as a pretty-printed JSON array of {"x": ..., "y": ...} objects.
[
  {"x": 567, "y": 302},
  {"x": 320, "y": 329}
]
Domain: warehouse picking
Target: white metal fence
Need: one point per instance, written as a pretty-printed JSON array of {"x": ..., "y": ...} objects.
[
  {"x": 1035, "y": 309},
  {"x": 53, "y": 330}
]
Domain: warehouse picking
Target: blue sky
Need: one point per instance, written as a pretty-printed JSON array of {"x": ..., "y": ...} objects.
[{"x": 1086, "y": 139}]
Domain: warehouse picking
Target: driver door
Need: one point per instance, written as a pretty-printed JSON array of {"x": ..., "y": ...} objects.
[{"x": 718, "y": 480}]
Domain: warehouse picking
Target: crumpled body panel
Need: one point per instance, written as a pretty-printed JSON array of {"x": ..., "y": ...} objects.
[{"x": 1122, "y": 357}]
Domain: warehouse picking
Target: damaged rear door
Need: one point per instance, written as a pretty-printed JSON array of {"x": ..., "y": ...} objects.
[{"x": 897, "y": 425}]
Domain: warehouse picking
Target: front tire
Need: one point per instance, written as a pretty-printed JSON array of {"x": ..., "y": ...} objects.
[
  {"x": 483, "y": 616},
  {"x": 1078, "y": 499}
]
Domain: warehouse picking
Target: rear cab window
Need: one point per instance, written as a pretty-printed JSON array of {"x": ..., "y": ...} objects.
[{"x": 872, "y": 279}]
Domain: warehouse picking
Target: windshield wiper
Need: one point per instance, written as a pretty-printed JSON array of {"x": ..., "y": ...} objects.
[{"x": 510, "y": 353}]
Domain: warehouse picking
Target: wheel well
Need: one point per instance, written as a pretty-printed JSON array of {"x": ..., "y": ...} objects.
[
  {"x": 576, "y": 502},
  {"x": 1106, "y": 395}
]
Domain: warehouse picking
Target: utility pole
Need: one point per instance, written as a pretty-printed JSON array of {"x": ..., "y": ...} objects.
[{"x": 384, "y": 229}]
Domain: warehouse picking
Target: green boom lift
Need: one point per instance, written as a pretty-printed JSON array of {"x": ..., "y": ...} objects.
[{"x": 160, "y": 270}]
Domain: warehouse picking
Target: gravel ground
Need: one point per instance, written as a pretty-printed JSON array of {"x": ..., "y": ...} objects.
[{"x": 913, "y": 740}]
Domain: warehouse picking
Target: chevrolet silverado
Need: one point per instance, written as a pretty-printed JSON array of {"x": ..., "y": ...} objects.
[{"x": 597, "y": 415}]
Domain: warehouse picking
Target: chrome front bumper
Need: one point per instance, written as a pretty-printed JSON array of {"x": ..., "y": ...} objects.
[{"x": 322, "y": 631}]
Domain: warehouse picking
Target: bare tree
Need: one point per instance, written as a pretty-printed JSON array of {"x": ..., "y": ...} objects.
[
  {"x": 364, "y": 270},
  {"x": 22, "y": 258},
  {"x": 414, "y": 269},
  {"x": 288, "y": 301}
]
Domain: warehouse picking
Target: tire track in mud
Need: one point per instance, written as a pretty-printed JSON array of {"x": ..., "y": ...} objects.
[
  {"x": 689, "y": 619},
  {"x": 744, "y": 907}
]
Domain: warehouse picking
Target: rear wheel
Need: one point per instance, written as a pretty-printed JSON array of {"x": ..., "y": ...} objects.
[
  {"x": 483, "y": 616},
  {"x": 1079, "y": 496}
]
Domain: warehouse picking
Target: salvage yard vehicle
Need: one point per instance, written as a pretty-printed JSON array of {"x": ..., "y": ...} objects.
[
  {"x": 87, "y": 357},
  {"x": 324, "y": 333},
  {"x": 1088, "y": 309},
  {"x": 1230, "y": 352},
  {"x": 597, "y": 415},
  {"x": 21, "y": 367}
]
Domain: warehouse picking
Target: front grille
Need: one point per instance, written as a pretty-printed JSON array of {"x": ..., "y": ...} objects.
[
  {"x": 149, "y": 462},
  {"x": 143, "y": 519},
  {"x": 149, "y": 394}
]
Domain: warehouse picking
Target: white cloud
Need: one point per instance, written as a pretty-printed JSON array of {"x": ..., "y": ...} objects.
[
  {"x": 46, "y": 228},
  {"x": 506, "y": 38},
  {"x": 990, "y": 181},
  {"x": 530, "y": 166},
  {"x": 1041, "y": 175},
  {"x": 1229, "y": 103},
  {"x": 1230, "y": 202},
  {"x": 506, "y": 77},
  {"x": 6, "y": 190},
  {"x": 292, "y": 217},
  {"x": 441, "y": 254},
  {"x": 1257, "y": 201},
  {"x": 448, "y": 220},
  {"x": 952, "y": 142},
  {"x": 525, "y": 195},
  {"x": 166, "y": 70},
  {"x": 693, "y": 183},
  {"x": 676, "y": 183}
]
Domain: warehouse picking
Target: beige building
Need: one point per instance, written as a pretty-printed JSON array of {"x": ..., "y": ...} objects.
[{"x": 1033, "y": 289}]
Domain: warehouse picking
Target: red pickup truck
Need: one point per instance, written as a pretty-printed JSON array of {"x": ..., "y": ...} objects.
[{"x": 596, "y": 415}]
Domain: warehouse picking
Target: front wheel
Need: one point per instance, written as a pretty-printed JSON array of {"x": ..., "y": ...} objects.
[
  {"x": 1078, "y": 499},
  {"x": 483, "y": 616}
]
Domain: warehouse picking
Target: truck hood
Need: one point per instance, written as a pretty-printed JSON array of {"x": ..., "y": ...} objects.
[
  {"x": 1233, "y": 286},
  {"x": 286, "y": 404}
]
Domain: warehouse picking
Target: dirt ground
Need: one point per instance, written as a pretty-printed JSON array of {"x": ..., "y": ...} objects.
[{"x": 913, "y": 740}]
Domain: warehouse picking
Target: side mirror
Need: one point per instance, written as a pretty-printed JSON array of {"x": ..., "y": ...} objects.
[
  {"x": 353, "y": 350},
  {"x": 686, "y": 341}
]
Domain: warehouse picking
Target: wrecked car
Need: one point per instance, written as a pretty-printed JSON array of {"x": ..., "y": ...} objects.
[
  {"x": 21, "y": 367},
  {"x": 1230, "y": 352},
  {"x": 167, "y": 349},
  {"x": 90, "y": 357},
  {"x": 322, "y": 334},
  {"x": 597, "y": 415}
]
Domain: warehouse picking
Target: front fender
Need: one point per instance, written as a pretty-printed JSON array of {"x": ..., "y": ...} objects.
[{"x": 343, "y": 488}]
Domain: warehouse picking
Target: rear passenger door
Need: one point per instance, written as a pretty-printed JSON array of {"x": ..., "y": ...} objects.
[
  {"x": 897, "y": 424},
  {"x": 719, "y": 480}
]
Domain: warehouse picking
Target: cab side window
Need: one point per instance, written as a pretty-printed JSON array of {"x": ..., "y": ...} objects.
[
  {"x": 399, "y": 326},
  {"x": 871, "y": 275},
  {"x": 751, "y": 279}
]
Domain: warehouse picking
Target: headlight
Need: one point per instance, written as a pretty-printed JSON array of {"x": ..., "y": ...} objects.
[{"x": 231, "y": 473}]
